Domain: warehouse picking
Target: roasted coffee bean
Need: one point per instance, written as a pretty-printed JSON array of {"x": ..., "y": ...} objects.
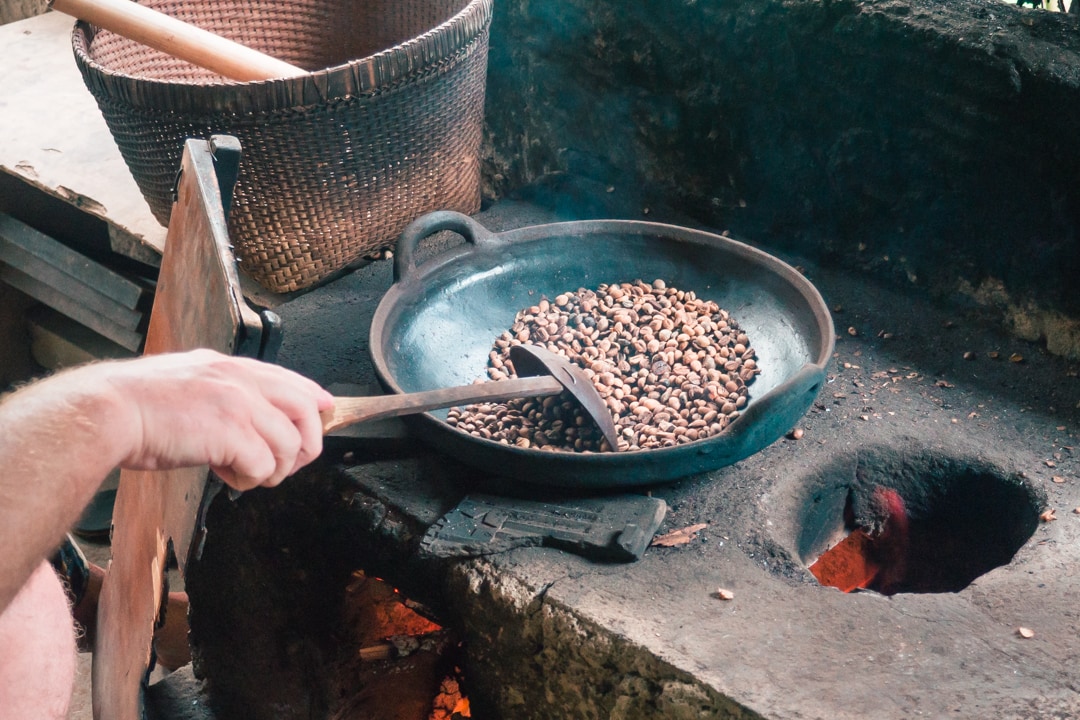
[{"x": 672, "y": 368}]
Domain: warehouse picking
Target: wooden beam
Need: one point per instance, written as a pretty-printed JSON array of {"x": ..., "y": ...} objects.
[
  {"x": 35, "y": 252},
  {"x": 198, "y": 303},
  {"x": 128, "y": 337}
]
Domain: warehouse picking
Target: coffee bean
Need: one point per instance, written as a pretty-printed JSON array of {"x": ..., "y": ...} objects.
[{"x": 671, "y": 367}]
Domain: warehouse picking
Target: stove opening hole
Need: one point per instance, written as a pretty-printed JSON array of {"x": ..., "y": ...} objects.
[{"x": 932, "y": 534}]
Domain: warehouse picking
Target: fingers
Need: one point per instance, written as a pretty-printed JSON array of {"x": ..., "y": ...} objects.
[
  {"x": 266, "y": 451},
  {"x": 252, "y": 422},
  {"x": 310, "y": 427},
  {"x": 294, "y": 432},
  {"x": 283, "y": 386},
  {"x": 282, "y": 433}
]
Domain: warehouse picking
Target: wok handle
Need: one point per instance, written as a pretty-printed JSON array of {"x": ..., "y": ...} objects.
[
  {"x": 425, "y": 225},
  {"x": 779, "y": 406},
  {"x": 351, "y": 410}
]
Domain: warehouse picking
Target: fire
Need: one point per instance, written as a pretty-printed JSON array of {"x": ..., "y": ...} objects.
[
  {"x": 449, "y": 703},
  {"x": 404, "y": 664},
  {"x": 873, "y": 557}
]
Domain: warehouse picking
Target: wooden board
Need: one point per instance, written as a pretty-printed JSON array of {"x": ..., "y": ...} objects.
[
  {"x": 37, "y": 254},
  {"x": 82, "y": 294},
  {"x": 57, "y": 341},
  {"x": 56, "y": 140},
  {"x": 126, "y": 335},
  {"x": 197, "y": 304}
]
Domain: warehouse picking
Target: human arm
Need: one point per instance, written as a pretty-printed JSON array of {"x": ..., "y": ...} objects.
[{"x": 253, "y": 423}]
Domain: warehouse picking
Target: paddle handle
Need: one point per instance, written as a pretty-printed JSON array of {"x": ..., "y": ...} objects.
[
  {"x": 179, "y": 39},
  {"x": 351, "y": 410}
]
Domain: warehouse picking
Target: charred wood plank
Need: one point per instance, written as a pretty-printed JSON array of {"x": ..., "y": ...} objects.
[
  {"x": 128, "y": 337},
  {"x": 49, "y": 260}
]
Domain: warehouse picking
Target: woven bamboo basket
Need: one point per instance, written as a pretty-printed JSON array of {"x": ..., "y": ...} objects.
[{"x": 385, "y": 128}]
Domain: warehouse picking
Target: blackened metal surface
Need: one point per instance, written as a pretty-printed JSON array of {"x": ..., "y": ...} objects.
[{"x": 615, "y": 529}]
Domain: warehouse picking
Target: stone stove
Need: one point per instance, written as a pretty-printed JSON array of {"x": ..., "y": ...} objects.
[
  {"x": 977, "y": 444},
  {"x": 887, "y": 148}
]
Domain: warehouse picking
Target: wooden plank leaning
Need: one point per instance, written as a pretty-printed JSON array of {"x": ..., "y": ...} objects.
[{"x": 198, "y": 304}]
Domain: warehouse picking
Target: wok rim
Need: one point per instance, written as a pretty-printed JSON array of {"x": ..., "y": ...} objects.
[{"x": 413, "y": 277}]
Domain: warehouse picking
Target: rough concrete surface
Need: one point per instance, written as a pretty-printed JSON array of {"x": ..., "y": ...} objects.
[
  {"x": 786, "y": 647},
  {"x": 974, "y": 444}
]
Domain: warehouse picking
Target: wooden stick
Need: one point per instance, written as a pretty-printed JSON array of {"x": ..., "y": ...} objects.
[
  {"x": 382, "y": 651},
  {"x": 350, "y": 410},
  {"x": 179, "y": 39}
]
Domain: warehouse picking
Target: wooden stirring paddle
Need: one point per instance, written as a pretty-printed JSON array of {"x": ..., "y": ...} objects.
[{"x": 547, "y": 373}]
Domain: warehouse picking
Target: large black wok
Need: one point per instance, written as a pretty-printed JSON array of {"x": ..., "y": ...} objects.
[{"x": 436, "y": 324}]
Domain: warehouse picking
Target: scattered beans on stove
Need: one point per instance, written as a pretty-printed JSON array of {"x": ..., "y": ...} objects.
[{"x": 671, "y": 367}]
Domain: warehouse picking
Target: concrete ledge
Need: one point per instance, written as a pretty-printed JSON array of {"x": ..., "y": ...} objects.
[{"x": 551, "y": 635}]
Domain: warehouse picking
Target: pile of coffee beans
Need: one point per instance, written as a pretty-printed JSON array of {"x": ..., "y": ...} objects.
[{"x": 672, "y": 368}]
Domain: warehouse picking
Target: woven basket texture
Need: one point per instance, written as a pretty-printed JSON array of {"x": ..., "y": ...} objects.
[{"x": 336, "y": 163}]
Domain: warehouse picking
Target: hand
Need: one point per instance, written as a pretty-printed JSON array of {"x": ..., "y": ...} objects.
[{"x": 252, "y": 422}]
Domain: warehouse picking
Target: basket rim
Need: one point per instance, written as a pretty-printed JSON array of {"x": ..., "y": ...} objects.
[{"x": 359, "y": 77}]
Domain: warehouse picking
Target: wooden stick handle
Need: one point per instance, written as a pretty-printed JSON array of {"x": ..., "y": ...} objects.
[
  {"x": 179, "y": 39},
  {"x": 350, "y": 410}
]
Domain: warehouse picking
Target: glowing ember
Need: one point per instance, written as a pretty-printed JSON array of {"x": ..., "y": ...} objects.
[
  {"x": 404, "y": 663},
  {"x": 874, "y": 558},
  {"x": 449, "y": 704}
]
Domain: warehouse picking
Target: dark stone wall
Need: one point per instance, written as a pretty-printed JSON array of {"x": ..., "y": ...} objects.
[{"x": 930, "y": 143}]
